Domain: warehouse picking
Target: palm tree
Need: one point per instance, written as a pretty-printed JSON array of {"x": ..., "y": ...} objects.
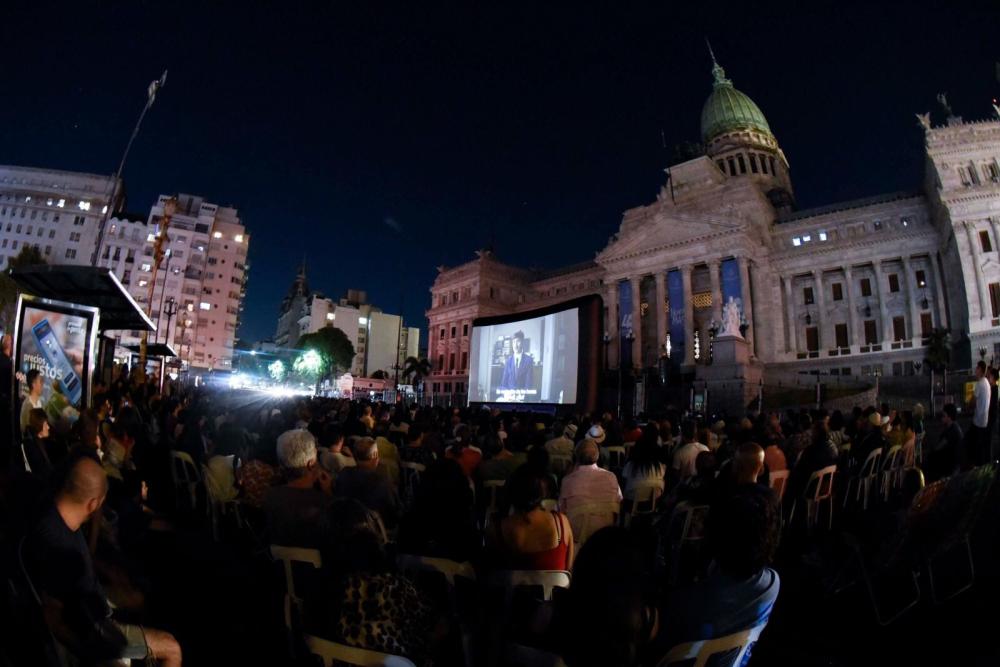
[{"x": 416, "y": 369}]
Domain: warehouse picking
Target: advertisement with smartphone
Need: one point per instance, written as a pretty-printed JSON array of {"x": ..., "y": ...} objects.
[{"x": 57, "y": 339}]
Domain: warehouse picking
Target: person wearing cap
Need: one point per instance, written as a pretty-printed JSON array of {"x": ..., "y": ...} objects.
[
  {"x": 597, "y": 434},
  {"x": 563, "y": 444}
]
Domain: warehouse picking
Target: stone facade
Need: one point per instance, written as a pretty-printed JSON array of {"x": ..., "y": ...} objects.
[{"x": 849, "y": 289}]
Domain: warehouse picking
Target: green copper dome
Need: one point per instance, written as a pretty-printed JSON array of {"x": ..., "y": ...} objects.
[{"x": 728, "y": 109}]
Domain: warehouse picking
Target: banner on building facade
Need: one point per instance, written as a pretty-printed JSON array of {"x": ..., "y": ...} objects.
[
  {"x": 675, "y": 294},
  {"x": 625, "y": 320},
  {"x": 732, "y": 288}
]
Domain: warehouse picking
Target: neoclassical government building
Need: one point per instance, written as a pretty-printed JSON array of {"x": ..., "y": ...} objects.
[{"x": 853, "y": 288}]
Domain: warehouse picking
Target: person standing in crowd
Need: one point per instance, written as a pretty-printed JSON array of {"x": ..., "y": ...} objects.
[
  {"x": 33, "y": 400},
  {"x": 949, "y": 454},
  {"x": 991, "y": 422},
  {"x": 978, "y": 436}
]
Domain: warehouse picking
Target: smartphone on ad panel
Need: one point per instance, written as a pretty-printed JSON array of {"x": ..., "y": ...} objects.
[{"x": 48, "y": 344}]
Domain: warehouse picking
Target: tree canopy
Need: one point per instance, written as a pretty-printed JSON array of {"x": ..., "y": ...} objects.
[{"x": 333, "y": 345}]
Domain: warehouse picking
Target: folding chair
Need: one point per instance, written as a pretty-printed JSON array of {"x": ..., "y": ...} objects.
[
  {"x": 218, "y": 509},
  {"x": 734, "y": 648},
  {"x": 547, "y": 580},
  {"x": 864, "y": 479},
  {"x": 186, "y": 479},
  {"x": 819, "y": 489},
  {"x": 332, "y": 653}
]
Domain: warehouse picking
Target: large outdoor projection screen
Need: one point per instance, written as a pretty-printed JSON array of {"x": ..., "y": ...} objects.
[{"x": 531, "y": 360}]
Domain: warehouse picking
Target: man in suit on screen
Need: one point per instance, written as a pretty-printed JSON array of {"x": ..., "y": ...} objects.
[{"x": 518, "y": 370}]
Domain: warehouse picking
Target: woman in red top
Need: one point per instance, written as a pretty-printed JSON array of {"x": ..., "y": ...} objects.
[
  {"x": 467, "y": 456},
  {"x": 532, "y": 538}
]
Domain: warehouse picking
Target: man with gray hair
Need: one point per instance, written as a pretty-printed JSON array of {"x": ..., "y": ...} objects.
[
  {"x": 369, "y": 482},
  {"x": 587, "y": 485},
  {"x": 297, "y": 511}
]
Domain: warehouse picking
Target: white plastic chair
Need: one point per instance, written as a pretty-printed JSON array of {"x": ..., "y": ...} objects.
[
  {"x": 547, "y": 580},
  {"x": 216, "y": 508},
  {"x": 682, "y": 520},
  {"x": 333, "y": 653},
  {"x": 819, "y": 489},
  {"x": 560, "y": 463},
  {"x": 864, "y": 479},
  {"x": 492, "y": 489},
  {"x": 616, "y": 457},
  {"x": 642, "y": 498},
  {"x": 778, "y": 479},
  {"x": 550, "y": 504},
  {"x": 890, "y": 470},
  {"x": 587, "y": 518},
  {"x": 293, "y": 603},
  {"x": 739, "y": 643},
  {"x": 410, "y": 473},
  {"x": 450, "y": 571},
  {"x": 185, "y": 476}
]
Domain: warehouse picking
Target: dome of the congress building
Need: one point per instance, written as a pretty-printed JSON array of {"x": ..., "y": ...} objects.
[{"x": 727, "y": 109}]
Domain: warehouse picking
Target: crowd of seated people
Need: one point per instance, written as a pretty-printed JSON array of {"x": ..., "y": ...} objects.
[{"x": 364, "y": 482}]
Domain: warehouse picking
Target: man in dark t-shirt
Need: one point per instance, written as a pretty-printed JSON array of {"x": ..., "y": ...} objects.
[{"x": 62, "y": 571}]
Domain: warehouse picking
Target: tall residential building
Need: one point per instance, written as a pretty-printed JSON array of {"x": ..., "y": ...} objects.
[
  {"x": 380, "y": 340},
  {"x": 852, "y": 288},
  {"x": 203, "y": 272},
  {"x": 57, "y": 211}
]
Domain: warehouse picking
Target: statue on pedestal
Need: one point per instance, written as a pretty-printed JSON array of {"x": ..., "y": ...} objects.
[{"x": 731, "y": 319}]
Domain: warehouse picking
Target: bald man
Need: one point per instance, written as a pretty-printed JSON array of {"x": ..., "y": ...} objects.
[
  {"x": 586, "y": 485},
  {"x": 63, "y": 573}
]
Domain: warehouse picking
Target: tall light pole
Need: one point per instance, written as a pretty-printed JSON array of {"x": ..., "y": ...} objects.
[
  {"x": 169, "y": 208},
  {"x": 151, "y": 91}
]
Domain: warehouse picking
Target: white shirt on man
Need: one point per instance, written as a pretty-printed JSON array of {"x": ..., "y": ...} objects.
[
  {"x": 685, "y": 457},
  {"x": 982, "y": 396}
]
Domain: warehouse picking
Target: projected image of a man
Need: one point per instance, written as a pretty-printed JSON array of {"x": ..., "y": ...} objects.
[{"x": 518, "y": 370}]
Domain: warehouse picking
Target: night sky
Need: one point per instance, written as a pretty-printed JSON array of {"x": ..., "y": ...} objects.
[{"x": 380, "y": 141}]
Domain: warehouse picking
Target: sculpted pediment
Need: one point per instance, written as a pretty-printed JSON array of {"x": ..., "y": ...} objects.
[{"x": 671, "y": 227}]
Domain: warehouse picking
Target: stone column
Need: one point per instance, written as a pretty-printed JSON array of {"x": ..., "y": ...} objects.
[
  {"x": 852, "y": 322},
  {"x": 974, "y": 251},
  {"x": 911, "y": 297},
  {"x": 820, "y": 311},
  {"x": 713, "y": 275},
  {"x": 611, "y": 326},
  {"x": 939, "y": 291},
  {"x": 744, "y": 264},
  {"x": 688, "y": 315},
  {"x": 792, "y": 342},
  {"x": 883, "y": 305},
  {"x": 637, "y": 360},
  {"x": 661, "y": 311},
  {"x": 996, "y": 234}
]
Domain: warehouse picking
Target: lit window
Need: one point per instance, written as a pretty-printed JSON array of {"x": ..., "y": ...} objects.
[
  {"x": 205, "y": 305},
  {"x": 217, "y": 235},
  {"x": 145, "y": 267},
  {"x": 822, "y": 236},
  {"x": 905, "y": 222},
  {"x": 329, "y": 317},
  {"x": 190, "y": 307},
  {"x": 27, "y": 199},
  {"x": 104, "y": 209},
  {"x": 796, "y": 241},
  {"x": 143, "y": 283},
  {"x": 201, "y": 248},
  {"x": 62, "y": 202},
  {"x": 150, "y": 237},
  {"x": 49, "y": 202},
  {"x": 238, "y": 238},
  {"x": 84, "y": 205},
  {"x": 807, "y": 238},
  {"x": 362, "y": 321}
]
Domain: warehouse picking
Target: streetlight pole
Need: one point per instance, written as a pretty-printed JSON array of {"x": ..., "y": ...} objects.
[
  {"x": 169, "y": 310},
  {"x": 169, "y": 208},
  {"x": 154, "y": 87}
]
